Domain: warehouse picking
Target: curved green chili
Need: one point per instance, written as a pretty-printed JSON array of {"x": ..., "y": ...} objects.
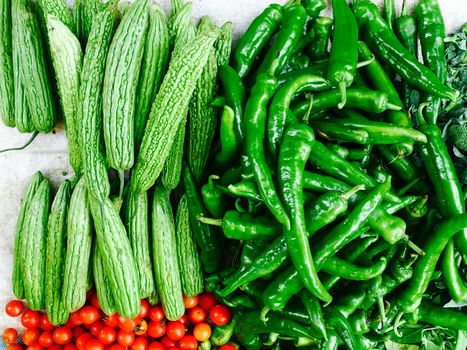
[
  {"x": 228, "y": 139},
  {"x": 344, "y": 269},
  {"x": 213, "y": 198},
  {"x": 389, "y": 10},
  {"x": 317, "y": 69},
  {"x": 314, "y": 7},
  {"x": 342, "y": 327},
  {"x": 442, "y": 317},
  {"x": 318, "y": 49},
  {"x": 315, "y": 313},
  {"x": 456, "y": 286}
]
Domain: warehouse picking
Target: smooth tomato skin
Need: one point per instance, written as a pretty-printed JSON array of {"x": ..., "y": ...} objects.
[
  {"x": 112, "y": 320},
  {"x": 14, "y": 308},
  {"x": 31, "y": 336},
  {"x": 62, "y": 335},
  {"x": 93, "y": 344},
  {"x": 190, "y": 302},
  {"x": 175, "y": 330},
  {"x": 30, "y": 319},
  {"x": 88, "y": 314},
  {"x": 10, "y": 335},
  {"x": 155, "y": 345},
  {"x": 127, "y": 324},
  {"x": 55, "y": 347},
  {"x": 95, "y": 301},
  {"x": 107, "y": 335},
  {"x": 227, "y": 347},
  {"x": 188, "y": 342},
  {"x": 45, "y": 324},
  {"x": 197, "y": 314},
  {"x": 184, "y": 320},
  {"x": 141, "y": 328},
  {"x": 116, "y": 347},
  {"x": 207, "y": 301},
  {"x": 220, "y": 315},
  {"x": 156, "y": 329},
  {"x": 70, "y": 347},
  {"x": 82, "y": 340},
  {"x": 202, "y": 331},
  {"x": 14, "y": 347},
  {"x": 34, "y": 346},
  {"x": 46, "y": 340},
  {"x": 144, "y": 312},
  {"x": 140, "y": 343},
  {"x": 77, "y": 331},
  {"x": 125, "y": 338},
  {"x": 168, "y": 343},
  {"x": 156, "y": 313},
  {"x": 96, "y": 327}
]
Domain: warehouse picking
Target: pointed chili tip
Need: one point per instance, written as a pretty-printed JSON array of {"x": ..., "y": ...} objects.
[
  {"x": 343, "y": 90},
  {"x": 209, "y": 221},
  {"x": 393, "y": 107},
  {"x": 264, "y": 312}
]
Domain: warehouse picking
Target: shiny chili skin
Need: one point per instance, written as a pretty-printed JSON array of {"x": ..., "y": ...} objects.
[
  {"x": 255, "y": 127},
  {"x": 250, "y": 251},
  {"x": 349, "y": 302},
  {"x": 255, "y": 38},
  {"x": 322, "y": 183},
  {"x": 340, "y": 150},
  {"x": 281, "y": 49},
  {"x": 314, "y": 7},
  {"x": 343, "y": 57},
  {"x": 245, "y": 188},
  {"x": 456, "y": 286},
  {"x": 228, "y": 140},
  {"x": 411, "y": 297},
  {"x": 213, "y": 198},
  {"x": 294, "y": 152},
  {"x": 288, "y": 283},
  {"x": 318, "y": 49},
  {"x": 360, "y": 98},
  {"x": 344, "y": 269},
  {"x": 442, "y": 317},
  {"x": 209, "y": 242},
  {"x": 317, "y": 69},
  {"x": 331, "y": 131},
  {"x": 279, "y": 115},
  {"x": 315, "y": 312},
  {"x": 431, "y": 32},
  {"x": 342, "y": 327},
  {"x": 385, "y": 45},
  {"x": 296, "y": 62},
  {"x": 389, "y": 10}
]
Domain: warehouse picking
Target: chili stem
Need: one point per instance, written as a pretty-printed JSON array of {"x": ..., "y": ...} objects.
[
  {"x": 343, "y": 90},
  {"x": 210, "y": 221},
  {"x": 23, "y": 146}
]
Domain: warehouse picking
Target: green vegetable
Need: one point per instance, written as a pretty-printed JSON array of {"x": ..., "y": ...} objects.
[
  {"x": 101, "y": 282},
  {"x": 60, "y": 10},
  {"x": 7, "y": 102}
]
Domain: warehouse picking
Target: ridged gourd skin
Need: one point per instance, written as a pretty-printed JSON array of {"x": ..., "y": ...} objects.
[
  {"x": 35, "y": 76},
  {"x": 17, "y": 275},
  {"x": 120, "y": 85},
  {"x": 79, "y": 226},
  {"x": 170, "y": 105},
  {"x": 188, "y": 258},
  {"x": 23, "y": 119},
  {"x": 203, "y": 117},
  {"x": 117, "y": 257},
  {"x": 88, "y": 10},
  {"x": 7, "y": 104},
  {"x": 165, "y": 255},
  {"x": 34, "y": 243},
  {"x": 182, "y": 31},
  {"x": 101, "y": 282},
  {"x": 137, "y": 224},
  {"x": 90, "y": 103},
  {"x": 56, "y": 254},
  {"x": 223, "y": 44},
  {"x": 59, "y": 9},
  {"x": 153, "y": 67},
  {"x": 67, "y": 59}
]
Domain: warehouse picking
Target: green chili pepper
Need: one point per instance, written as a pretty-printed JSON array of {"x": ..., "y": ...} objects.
[
  {"x": 244, "y": 226},
  {"x": 357, "y": 153},
  {"x": 234, "y": 93},
  {"x": 348, "y": 303},
  {"x": 231, "y": 176},
  {"x": 331, "y": 131},
  {"x": 296, "y": 62},
  {"x": 405, "y": 202},
  {"x": 213, "y": 198},
  {"x": 317, "y": 69},
  {"x": 326, "y": 209},
  {"x": 385, "y": 45},
  {"x": 456, "y": 286},
  {"x": 358, "y": 321},
  {"x": 228, "y": 140},
  {"x": 209, "y": 243},
  {"x": 415, "y": 212},
  {"x": 322, "y": 183},
  {"x": 412, "y": 295},
  {"x": 288, "y": 283},
  {"x": 315, "y": 313},
  {"x": 249, "y": 341},
  {"x": 255, "y": 38},
  {"x": 279, "y": 114},
  {"x": 431, "y": 32},
  {"x": 314, "y": 7},
  {"x": 332, "y": 343},
  {"x": 389, "y": 10},
  {"x": 318, "y": 49},
  {"x": 343, "y": 58},
  {"x": 342, "y": 268},
  {"x": 442, "y": 317},
  {"x": 250, "y": 251},
  {"x": 255, "y": 126},
  {"x": 340, "y": 150},
  {"x": 294, "y": 152},
  {"x": 221, "y": 334},
  {"x": 342, "y": 327},
  {"x": 281, "y": 49},
  {"x": 303, "y": 42},
  {"x": 205, "y": 345},
  {"x": 245, "y": 188}
]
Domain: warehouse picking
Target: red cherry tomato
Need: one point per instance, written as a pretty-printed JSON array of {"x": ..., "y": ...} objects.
[
  {"x": 14, "y": 308},
  {"x": 168, "y": 343},
  {"x": 125, "y": 338},
  {"x": 62, "y": 335},
  {"x": 144, "y": 312},
  {"x": 34, "y": 346},
  {"x": 46, "y": 340},
  {"x": 70, "y": 347},
  {"x": 155, "y": 345},
  {"x": 77, "y": 331},
  {"x": 227, "y": 347},
  {"x": 30, "y": 319},
  {"x": 197, "y": 314},
  {"x": 14, "y": 347},
  {"x": 45, "y": 324},
  {"x": 96, "y": 327},
  {"x": 82, "y": 340},
  {"x": 127, "y": 324},
  {"x": 88, "y": 315},
  {"x": 156, "y": 329},
  {"x": 202, "y": 331},
  {"x": 207, "y": 300},
  {"x": 190, "y": 301},
  {"x": 220, "y": 315},
  {"x": 184, "y": 320},
  {"x": 175, "y": 330},
  {"x": 174, "y": 348},
  {"x": 156, "y": 313},
  {"x": 112, "y": 320},
  {"x": 140, "y": 343},
  {"x": 95, "y": 301},
  {"x": 75, "y": 318},
  {"x": 107, "y": 335},
  {"x": 93, "y": 344},
  {"x": 10, "y": 335},
  {"x": 31, "y": 336},
  {"x": 116, "y": 347},
  {"x": 55, "y": 347},
  {"x": 141, "y": 328},
  {"x": 188, "y": 342}
]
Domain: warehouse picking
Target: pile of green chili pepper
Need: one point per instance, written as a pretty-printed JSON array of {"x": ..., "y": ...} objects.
[{"x": 342, "y": 210}]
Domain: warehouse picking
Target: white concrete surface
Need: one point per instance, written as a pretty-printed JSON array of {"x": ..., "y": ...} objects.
[{"x": 48, "y": 153}]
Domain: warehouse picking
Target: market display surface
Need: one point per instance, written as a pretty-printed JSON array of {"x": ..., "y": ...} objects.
[{"x": 303, "y": 187}]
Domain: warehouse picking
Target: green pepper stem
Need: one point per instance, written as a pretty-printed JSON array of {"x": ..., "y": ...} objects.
[
  {"x": 121, "y": 177},
  {"x": 31, "y": 139},
  {"x": 306, "y": 117},
  {"x": 210, "y": 221},
  {"x": 343, "y": 90},
  {"x": 397, "y": 323},
  {"x": 211, "y": 179},
  {"x": 272, "y": 339},
  {"x": 352, "y": 191},
  {"x": 413, "y": 246},
  {"x": 420, "y": 118},
  {"x": 264, "y": 312},
  {"x": 393, "y": 107},
  {"x": 382, "y": 311},
  {"x": 365, "y": 63},
  {"x": 238, "y": 205}
]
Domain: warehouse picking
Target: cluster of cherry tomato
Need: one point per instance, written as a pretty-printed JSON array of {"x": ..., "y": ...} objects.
[{"x": 89, "y": 329}]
